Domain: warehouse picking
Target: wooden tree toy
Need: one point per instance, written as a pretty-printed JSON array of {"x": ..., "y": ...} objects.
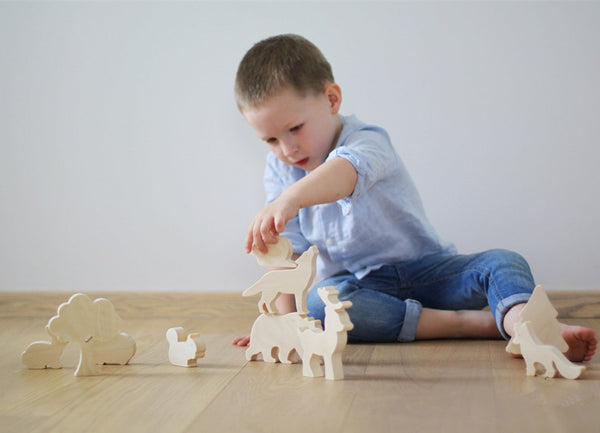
[
  {"x": 542, "y": 315},
  {"x": 184, "y": 349},
  {"x": 275, "y": 337},
  {"x": 94, "y": 326},
  {"x": 295, "y": 281},
  {"x": 537, "y": 353},
  {"x": 330, "y": 343}
]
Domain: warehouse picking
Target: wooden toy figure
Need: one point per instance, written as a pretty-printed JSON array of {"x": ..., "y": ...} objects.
[
  {"x": 330, "y": 343},
  {"x": 279, "y": 255},
  {"x": 275, "y": 337},
  {"x": 92, "y": 325},
  {"x": 44, "y": 354},
  {"x": 295, "y": 281},
  {"x": 542, "y": 315},
  {"x": 536, "y": 353},
  {"x": 184, "y": 349},
  {"x": 117, "y": 351},
  {"x": 537, "y": 336}
]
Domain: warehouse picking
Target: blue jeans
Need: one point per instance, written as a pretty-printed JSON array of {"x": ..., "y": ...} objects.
[{"x": 387, "y": 303}]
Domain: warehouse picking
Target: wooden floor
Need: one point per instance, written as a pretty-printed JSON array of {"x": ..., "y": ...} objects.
[{"x": 436, "y": 386}]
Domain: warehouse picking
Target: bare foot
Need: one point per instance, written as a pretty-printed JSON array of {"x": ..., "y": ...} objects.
[
  {"x": 582, "y": 342},
  {"x": 244, "y": 340}
]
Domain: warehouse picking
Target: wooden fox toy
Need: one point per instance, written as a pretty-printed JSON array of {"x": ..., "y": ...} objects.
[{"x": 536, "y": 353}]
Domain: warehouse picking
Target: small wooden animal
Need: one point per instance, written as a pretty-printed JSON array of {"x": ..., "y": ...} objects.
[
  {"x": 549, "y": 357},
  {"x": 184, "y": 349},
  {"x": 295, "y": 281},
  {"x": 279, "y": 255},
  {"x": 330, "y": 343},
  {"x": 275, "y": 337},
  {"x": 44, "y": 354},
  {"x": 117, "y": 351}
]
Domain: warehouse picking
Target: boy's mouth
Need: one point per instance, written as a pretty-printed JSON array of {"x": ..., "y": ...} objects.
[{"x": 301, "y": 162}]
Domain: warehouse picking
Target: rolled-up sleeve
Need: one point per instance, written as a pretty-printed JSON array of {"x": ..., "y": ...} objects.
[{"x": 372, "y": 158}]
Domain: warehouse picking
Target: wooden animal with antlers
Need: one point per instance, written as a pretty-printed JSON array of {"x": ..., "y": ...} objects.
[
  {"x": 294, "y": 281},
  {"x": 330, "y": 343}
]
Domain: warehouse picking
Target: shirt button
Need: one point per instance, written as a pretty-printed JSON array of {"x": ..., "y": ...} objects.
[
  {"x": 329, "y": 241},
  {"x": 346, "y": 264}
]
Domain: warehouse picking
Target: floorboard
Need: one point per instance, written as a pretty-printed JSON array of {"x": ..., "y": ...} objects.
[{"x": 430, "y": 386}]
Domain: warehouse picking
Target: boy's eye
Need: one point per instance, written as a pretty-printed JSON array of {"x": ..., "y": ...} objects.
[
  {"x": 296, "y": 128},
  {"x": 271, "y": 140}
]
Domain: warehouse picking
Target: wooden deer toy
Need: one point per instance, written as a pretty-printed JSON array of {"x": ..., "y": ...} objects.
[
  {"x": 330, "y": 343},
  {"x": 275, "y": 337},
  {"x": 294, "y": 281},
  {"x": 184, "y": 349},
  {"x": 536, "y": 353}
]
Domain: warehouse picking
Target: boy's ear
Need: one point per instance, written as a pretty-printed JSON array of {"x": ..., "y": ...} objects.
[{"x": 333, "y": 93}]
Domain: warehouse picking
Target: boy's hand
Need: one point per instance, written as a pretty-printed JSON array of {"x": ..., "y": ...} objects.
[
  {"x": 244, "y": 340},
  {"x": 269, "y": 222},
  {"x": 331, "y": 181}
]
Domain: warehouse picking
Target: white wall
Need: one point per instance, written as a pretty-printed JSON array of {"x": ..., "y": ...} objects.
[{"x": 124, "y": 164}]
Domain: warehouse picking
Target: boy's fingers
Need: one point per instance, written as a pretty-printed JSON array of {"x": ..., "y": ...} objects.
[
  {"x": 280, "y": 224},
  {"x": 249, "y": 240},
  {"x": 241, "y": 341},
  {"x": 268, "y": 232}
]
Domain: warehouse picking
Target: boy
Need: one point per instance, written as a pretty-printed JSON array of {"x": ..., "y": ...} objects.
[{"x": 337, "y": 183}]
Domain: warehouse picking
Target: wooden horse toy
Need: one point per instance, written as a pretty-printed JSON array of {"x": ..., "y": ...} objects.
[
  {"x": 294, "y": 281},
  {"x": 184, "y": 349},
  {"x": 536, "y": 353},
  {"x": 275, "y": 337},
  {"x": 330, "y": 343}
]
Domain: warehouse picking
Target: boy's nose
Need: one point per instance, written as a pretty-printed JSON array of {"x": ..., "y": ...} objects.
[{"x": 289, "y": 149}]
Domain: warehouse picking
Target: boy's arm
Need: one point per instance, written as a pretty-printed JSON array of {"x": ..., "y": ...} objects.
[{"x": 331, "y": 181}]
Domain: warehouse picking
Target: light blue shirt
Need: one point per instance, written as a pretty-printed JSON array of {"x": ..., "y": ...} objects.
[{"x": 382, "y": 222}]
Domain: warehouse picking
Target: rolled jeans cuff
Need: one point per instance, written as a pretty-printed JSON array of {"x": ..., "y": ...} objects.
[
  {"x": 505, "y": 305},
  {"x": 411, "y": 319}
]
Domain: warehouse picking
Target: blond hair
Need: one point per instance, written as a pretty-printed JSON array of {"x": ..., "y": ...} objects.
[{"x": 276, "y": 63}]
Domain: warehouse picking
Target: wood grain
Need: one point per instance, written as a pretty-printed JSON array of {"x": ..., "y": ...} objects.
[{"x": 450, "y": 386}]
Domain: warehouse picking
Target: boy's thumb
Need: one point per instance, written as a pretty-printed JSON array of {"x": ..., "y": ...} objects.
[{"x": 279, "y": 224}]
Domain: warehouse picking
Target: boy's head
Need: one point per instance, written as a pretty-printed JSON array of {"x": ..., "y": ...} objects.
[
  {"x": 285, "y": 91},
  {"x": 277, "y": 63}
]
